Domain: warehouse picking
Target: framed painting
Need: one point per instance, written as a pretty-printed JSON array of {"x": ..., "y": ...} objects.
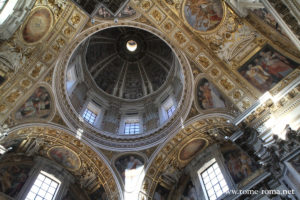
[
  {"x": 266, "y": 68},
  {"x": 238, "y": 163},
  {"x": 207, "y": 96}
]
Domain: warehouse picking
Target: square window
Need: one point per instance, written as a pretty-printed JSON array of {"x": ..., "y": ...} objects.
[
  {"x": 51, "y": 190},
  {"x": 89, "y": 116},
  {"x": 41, "y": 193},
  {"x": 41, "y": 188},
  {"x": 214, "y": 184},
  {"x": 47, "y": 181},
  {"x": 41, "y": 177},
  {"x": 53, "y": 184},
  {"x": 170, "y": 111},
  {"x": 132, "y": 128}
]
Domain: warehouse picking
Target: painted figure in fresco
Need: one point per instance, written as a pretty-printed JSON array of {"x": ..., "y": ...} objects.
[
  {"x": 268, "y": 18},
  {"x": 133, "y": 163},
  {"x": 127, "y": 166},
  {"x": 259, "y": 77},
  {"x": 276, "y": 64},
  {"x": 64, "y": 157},
  {"x": 203, "y": 14},
  {"x": 208, "y": 96},
  {"x": 267, "y": 68},
  {"x": 12, "y": 179},
  {"x": 38, "y": 105},
  {"x": 239, "y": 164},
  {"x": 189, "y": 192}
]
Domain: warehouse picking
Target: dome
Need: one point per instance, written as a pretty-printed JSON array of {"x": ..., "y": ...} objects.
[
  {"x": 127, "y": 62},
  {"x": 124, "y": 86}
]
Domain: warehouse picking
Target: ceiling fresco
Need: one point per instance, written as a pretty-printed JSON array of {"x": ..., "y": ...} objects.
[{"x": 37, "y": 25}]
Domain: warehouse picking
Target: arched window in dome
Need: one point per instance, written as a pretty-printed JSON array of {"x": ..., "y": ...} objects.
[
  {"x": 71, "y": 78},
  {"x": 92, "y": 113},
  {"x": 131, "y": 124},
  {"x": 168, "y": 107}
]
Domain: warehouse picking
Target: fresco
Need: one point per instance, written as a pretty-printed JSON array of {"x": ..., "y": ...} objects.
[
  {"x": 268, "y": 18},
  {"x": 266, "y": 68},
  {"x": 99, "y": 194},
  {"x": 160, "y": 193},
  {"x": 189, "y": 192},
  {"x": 126, "y": 12},
  {"x": 129, "y": 166},
  {"x": 12, "y": 179},
  {"x": 239, "y": 164},
  {"x": 37, "y": 106},
  {"x": 38, "y": 24},
  {"x": 65, "y": 157},
  {"x": 191, "y": 149},
  {"x": 208, "y": 96},
  {"x": 203, "y": 15}
]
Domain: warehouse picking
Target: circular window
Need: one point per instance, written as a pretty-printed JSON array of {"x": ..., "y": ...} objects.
[{"x": 131, "y": 45}]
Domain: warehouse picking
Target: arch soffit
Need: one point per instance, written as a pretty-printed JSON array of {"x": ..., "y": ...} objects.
[
  {"x": 90, "y": 157},
  {"x": 193, "y": 129}
]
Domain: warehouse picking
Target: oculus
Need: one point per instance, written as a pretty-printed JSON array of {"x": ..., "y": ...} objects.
[{"x": 131, "y": 45}]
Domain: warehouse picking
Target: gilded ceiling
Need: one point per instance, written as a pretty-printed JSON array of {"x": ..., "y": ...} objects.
[{"x": 227, "y": 63}]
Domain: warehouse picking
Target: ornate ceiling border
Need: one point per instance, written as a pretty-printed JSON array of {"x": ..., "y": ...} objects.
[
  {"x": 199, "y": 47},
  {"x": 38, "y": 60}
]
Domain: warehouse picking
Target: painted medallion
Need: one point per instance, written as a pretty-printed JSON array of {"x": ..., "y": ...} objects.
[
  {"x": 37, "y": 26},
  {"x": 36, "y": 107},
  {"x": 191, "y": 149},
  {"x": 65, "y": 157},
  {"x": 203, "y": 15}
]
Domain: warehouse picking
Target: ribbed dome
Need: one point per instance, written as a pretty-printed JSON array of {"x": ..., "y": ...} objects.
[{"x": 123, "y": 72}]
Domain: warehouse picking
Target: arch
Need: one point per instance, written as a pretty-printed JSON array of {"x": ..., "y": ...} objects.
[
  {"x": 90, "y": 157},
  {"x": 166, "y": 159}
]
